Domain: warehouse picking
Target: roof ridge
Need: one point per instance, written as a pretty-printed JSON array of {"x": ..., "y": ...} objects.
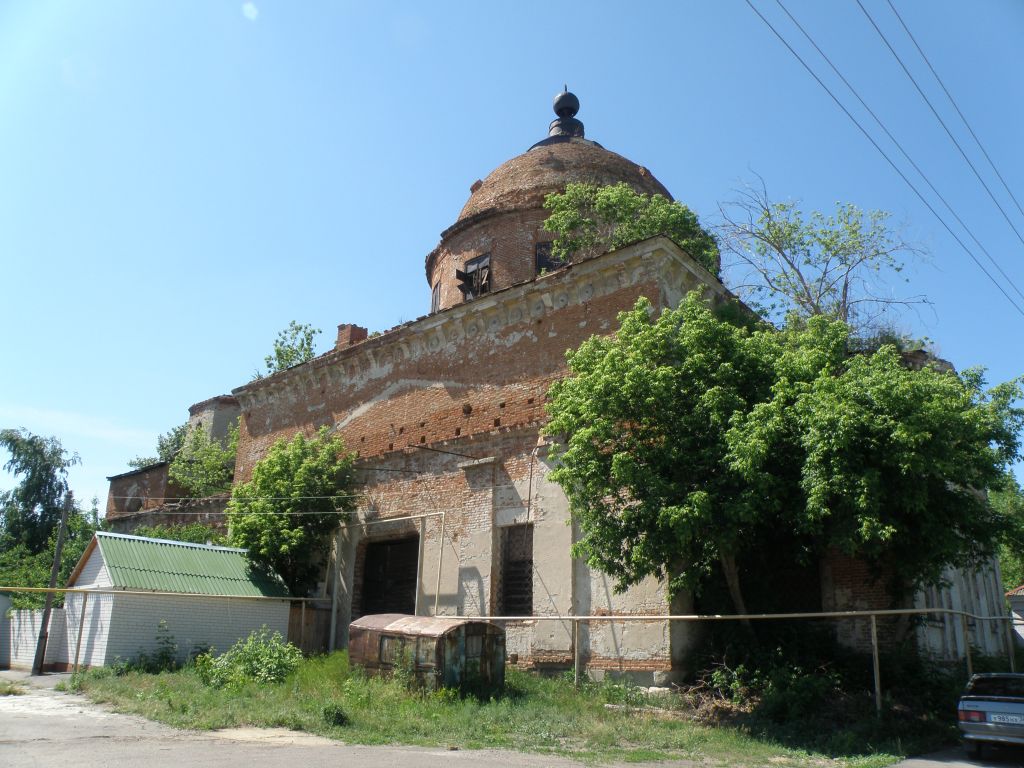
[{"x": 187, "y": 544}]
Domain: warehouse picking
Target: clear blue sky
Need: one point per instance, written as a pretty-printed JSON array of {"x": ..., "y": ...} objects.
[{"x": 182, "y": 179}]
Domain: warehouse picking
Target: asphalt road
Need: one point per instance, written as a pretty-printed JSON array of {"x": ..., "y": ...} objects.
[{"x": 46, "y": 728}]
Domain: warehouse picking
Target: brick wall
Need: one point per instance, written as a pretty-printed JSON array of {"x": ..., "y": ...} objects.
[
  {"x": 445, "y": 413},
  {"x": 208, "y": 511},
  {"x": 142, "y": 489}
]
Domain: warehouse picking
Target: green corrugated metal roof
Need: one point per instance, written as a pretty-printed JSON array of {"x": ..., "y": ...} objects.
[{"x": 174, "y": 566}]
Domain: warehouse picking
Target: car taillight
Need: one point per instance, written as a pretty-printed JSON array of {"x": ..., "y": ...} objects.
[{"x": 971, "y": 716}]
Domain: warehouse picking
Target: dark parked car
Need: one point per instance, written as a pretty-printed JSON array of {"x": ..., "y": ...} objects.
[{"x": 991, "y": 711}]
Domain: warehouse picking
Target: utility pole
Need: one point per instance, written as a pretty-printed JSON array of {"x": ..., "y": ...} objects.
[{"x": 37, "y": 665}]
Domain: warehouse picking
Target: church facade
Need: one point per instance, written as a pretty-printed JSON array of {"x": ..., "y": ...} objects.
[{"x": 456, "y": 514}]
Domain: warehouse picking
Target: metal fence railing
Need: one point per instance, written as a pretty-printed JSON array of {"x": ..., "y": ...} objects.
[{"x": 964, "y": 619}]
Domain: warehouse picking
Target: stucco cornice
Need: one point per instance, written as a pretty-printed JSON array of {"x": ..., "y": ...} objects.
[{"x": 495, "y": 315}]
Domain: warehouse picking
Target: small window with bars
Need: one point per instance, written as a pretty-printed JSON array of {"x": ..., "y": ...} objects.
[{"x": 515, "y": 596}]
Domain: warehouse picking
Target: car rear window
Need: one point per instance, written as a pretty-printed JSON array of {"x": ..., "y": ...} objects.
[{"x": 996, "y": 686}]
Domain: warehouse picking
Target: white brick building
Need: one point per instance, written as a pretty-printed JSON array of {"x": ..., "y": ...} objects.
[{"x": 206, "y": 596}]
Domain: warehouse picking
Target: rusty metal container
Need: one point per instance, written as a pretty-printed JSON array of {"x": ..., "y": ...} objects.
[{"x": 445, "y": 652}]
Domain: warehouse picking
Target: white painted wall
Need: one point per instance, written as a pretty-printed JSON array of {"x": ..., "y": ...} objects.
[
  {"x": 1017, "y": 611},
  {"x": 976, "y": 591},
  {"x": 21, "y": 634},
  {"x": 195, "y": 622}
]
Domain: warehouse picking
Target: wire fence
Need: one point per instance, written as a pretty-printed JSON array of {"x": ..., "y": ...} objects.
[{"x": 299, "y": 626}]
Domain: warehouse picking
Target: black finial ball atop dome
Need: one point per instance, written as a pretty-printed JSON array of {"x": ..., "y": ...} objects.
[{"x": 566, "y": 104}]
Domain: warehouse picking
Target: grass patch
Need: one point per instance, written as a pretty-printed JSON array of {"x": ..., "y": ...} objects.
[
  {"x": 10, "y": 688},
  {"x": 541, "y": 715}
]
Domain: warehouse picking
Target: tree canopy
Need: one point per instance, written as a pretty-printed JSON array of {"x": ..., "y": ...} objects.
[
  {"x": 167, "y": 446},
  {"x": 292, "y": 346},
  {"x": 1008, "y": 499},
  {"x": 30, "y": 514},
  {"x": 591, "y": 219},
  {"x": 783, "y": 260},
  {"x": 31, "y": 511},
  {"x": 689, "y": 441},
  {"x": 299, "y": 492},
  {"x": 203, "y": 466}
]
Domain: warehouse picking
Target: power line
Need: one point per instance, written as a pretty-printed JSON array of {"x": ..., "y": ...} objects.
[
  {"x": 874, "y": 143},
  {"x": 941, "y": 121},
  {"x": 956, "y": 107},
  {"x": 240, "y": 498},
  {"x": 899, "y": 146}
]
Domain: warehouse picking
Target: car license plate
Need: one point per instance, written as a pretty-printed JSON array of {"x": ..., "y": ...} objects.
[{"x": 1005, "y": 717}]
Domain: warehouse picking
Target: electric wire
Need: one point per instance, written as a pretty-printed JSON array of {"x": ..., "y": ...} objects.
[
  {"x": 941, "y": 121},
  {"x": 900, "y": 147},
  {"x": 956, "y": 107},
  {"x": 886, "y": 157}
]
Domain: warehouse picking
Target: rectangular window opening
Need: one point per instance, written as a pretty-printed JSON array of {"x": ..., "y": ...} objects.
[
  {"x": 545, "y": 262},
  {"x": 515, "y": 596},
  {"x": 475, "y": 277}
]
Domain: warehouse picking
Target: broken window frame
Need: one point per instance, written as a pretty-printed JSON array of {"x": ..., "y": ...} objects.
[{"x": 474, "y": 278}]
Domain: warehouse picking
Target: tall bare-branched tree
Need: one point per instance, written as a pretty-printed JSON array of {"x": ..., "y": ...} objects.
[{"x": 840, "y": 265}]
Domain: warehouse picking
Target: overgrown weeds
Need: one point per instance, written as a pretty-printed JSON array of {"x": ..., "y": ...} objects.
[
  {"x": 324, "y": 695},
  {"x": 10, "y": 688},
  {"x": 813, "y": 695}
]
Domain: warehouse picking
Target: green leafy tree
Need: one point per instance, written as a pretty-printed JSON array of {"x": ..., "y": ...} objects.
[
  {"x": 298, "y": 494},
  {"x": 204, "y": 466},
  {"x": 194, "y": 533},
  {"x": 1008, "y": 500},
  {"x": 21, "y": 567},
  {"x": 167, "y": 446},
  {"x": 839, "y": 265},
  {"x": 292, "y": 346},
  {"x": 31, "y": 511},
  {"x": 690, "y": 441},
  {"x": 590, "y": 220}
]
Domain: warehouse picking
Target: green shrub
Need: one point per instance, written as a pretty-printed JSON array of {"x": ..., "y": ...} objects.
[
  {"x": 335, "y": 715},
  {"x": 263, "y": 657}
]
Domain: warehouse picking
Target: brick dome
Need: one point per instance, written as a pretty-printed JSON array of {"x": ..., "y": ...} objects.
[
  {"x": 547, "y": 167},
  {"x": 499, "y": 238}
]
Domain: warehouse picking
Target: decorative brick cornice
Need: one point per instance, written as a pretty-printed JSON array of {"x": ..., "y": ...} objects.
[{"x": 501, "y": 317}]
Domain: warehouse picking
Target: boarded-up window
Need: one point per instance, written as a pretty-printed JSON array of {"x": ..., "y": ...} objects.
[
  {"x": 390, "y": 577},
  {"x": 516, "y": 590}
]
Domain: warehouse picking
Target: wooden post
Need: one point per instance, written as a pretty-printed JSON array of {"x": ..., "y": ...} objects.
[
  {"x": 877, "y": 668},
  {"x": 1010, "y": 644},
  {"x": 967, "y": 645},
  {"x": 44, "y": 630},
  {"x": 81, "y": 625},
  {"x": 302, "y": 628},
  {"x": 576, "y": 652}
]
